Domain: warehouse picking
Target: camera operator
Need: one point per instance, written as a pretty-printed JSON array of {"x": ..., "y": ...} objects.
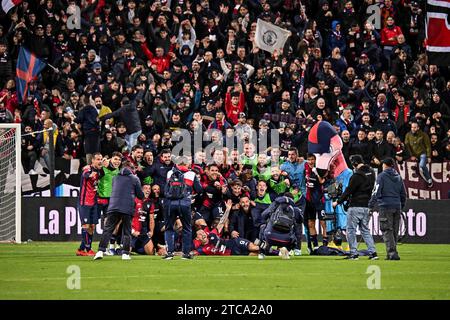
[{"x": 358, "y": 194}]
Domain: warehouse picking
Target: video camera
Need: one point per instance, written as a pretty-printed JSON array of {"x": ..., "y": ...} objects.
[{"x": 334, "y": 190}]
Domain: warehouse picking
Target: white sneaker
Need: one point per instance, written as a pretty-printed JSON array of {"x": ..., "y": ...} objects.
[
  {"x": 284, "y": 253},
  {"x": 108, "y": 252},
  {"x": 98, "y": 255},
  {"x": 126, "y": 257},
  {"x": 297, "y": 252},
  {"x": 261, "y": 256}
]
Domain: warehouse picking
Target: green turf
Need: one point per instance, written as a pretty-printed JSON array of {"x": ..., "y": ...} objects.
[{"x": 39, "y": 271}]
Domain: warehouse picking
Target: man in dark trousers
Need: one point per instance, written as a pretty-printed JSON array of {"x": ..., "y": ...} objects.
[
  {"x": 389, "y": 195},
  {"x": 282, "y": 217},
  {"x": 125, "y": 188},
  {"x": 181, "y": 183},
  {"x": 358, "y": 194}
]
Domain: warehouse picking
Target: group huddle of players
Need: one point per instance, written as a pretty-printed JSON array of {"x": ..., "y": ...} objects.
[{"x": 226, "y": 215}]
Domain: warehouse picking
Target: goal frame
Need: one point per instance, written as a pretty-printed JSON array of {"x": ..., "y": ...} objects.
[{"x": 18, "y": 152}]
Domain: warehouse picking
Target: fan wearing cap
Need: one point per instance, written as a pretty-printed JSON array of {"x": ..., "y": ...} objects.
[
  {"x": 97, "y": 73},
  {"x": 38, "y": 42},
  {"x": 363, "y": 65},
  {"x": 325, "y": 143},
  {"x": 242, "y": 126},
  {"x": 384, "y": 123}
]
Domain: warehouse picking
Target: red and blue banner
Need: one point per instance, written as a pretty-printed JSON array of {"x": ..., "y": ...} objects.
[
  {"x": 438, "y": 32},
  {"x": 27, "y": 69}
]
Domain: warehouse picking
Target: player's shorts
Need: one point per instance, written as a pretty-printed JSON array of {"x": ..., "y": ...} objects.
[
  {"x": 238, "y": 246},
  {"x": 89, "y": 214},
  {"x": 102, "y": 206},
  {"x": 313, "y": 212},
  {"x": 138, "y": 243}
]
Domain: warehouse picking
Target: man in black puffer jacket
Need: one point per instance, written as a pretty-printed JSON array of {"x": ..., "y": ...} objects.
[
  {"x": 358, "y": 194},
  {"x": 130, "y": 117},
  {"x": 126, "y": 187}
]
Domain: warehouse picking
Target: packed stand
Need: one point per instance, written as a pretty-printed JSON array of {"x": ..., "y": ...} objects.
[{"x": 137, "y": 71}]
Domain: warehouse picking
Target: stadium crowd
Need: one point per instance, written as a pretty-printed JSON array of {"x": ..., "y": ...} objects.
[{"x": 136, "y": 71}]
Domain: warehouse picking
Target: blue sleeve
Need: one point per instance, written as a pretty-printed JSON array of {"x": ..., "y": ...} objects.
[
  {"x": 303, "y": 180},
  {"x": 266, "y": 213},
  {"x": 138, "y": 188},
  {"x": 197, "y": 99}
]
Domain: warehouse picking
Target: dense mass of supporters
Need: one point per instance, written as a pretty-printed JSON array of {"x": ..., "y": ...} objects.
[{"x": 137, "y": 71}]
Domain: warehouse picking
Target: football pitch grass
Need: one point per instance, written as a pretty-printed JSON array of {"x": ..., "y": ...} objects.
[{"x": 39, "y": 270}]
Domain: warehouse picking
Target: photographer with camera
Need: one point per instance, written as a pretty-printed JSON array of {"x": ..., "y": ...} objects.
[{"x": 358, "y": 194}]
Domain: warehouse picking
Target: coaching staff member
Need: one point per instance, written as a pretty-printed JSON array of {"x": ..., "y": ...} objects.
[
  {"x": 181, "y": 183},
  {"x": 125, "y": 188},
  {"x": 358, "y": 194},
  {"x": 389, "y": 195}
]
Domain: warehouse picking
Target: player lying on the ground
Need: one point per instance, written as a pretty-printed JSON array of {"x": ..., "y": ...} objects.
[{"x": 208, "y": 242}]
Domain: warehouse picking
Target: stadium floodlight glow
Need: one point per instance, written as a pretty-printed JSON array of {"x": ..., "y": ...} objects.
[{"x": 10, "y": 182}]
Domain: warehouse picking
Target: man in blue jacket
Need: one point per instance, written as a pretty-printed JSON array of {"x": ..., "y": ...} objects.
[
  {"x": 273, "y": 233},
  {"x": 389, "y": 195},
  {"x": 125, "y": 188},
  {"x": 181, "y": 183}
]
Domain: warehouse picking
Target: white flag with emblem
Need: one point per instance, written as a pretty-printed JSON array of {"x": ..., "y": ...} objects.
[{"x": 270, "y": 37}]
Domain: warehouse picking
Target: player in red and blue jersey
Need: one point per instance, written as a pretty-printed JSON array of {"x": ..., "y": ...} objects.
[
  {"x": 209, "y": 242},
  {"x": 143, "y": 224},
  {"x": 315, "y": 204},
  {"x": 87, "y": 205}
]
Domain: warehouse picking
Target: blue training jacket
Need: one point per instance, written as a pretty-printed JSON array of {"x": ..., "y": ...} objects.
[
  {"x": 125, "y": 188},
  {"x": 389, "y": 191}
]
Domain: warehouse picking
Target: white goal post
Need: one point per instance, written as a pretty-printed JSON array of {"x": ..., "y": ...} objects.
[{"x": 10, "y": 182}]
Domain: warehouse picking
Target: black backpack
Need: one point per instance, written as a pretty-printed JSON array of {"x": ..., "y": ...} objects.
[
  {"x": 176, "y": 187},
  {"x": 283, "y": 218}
]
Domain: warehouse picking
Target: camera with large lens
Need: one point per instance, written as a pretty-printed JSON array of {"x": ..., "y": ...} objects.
[{"x": 334, "y": 191}]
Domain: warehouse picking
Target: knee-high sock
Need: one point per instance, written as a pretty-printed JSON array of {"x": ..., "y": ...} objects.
[
  {"x": 89, "y": 241},
  {"x": 314, "y": 240},
  {"x": 308, "y": 237},
  {"x": 83, "y": 239}
]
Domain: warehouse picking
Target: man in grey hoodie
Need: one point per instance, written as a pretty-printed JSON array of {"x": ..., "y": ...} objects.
[{"x": 389, "y": 196}]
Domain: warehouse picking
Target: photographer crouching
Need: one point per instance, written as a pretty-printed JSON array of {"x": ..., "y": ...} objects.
[{"x": 358, "y": 194}]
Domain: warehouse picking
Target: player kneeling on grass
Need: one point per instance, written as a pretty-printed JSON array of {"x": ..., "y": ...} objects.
[
  {"x": 143, "y": 225},
  {"x": 88, "y": 210},
  {"x": 125, "y": 188},
  {"x": 282, "y": 217},
  {"x": 209, "y": 242}
]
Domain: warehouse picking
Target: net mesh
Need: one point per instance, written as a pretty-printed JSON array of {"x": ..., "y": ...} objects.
[{"x": 7, "y": 184}]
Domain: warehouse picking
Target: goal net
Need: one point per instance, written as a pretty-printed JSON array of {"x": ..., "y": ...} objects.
[{"x": 10, "y": 190}]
